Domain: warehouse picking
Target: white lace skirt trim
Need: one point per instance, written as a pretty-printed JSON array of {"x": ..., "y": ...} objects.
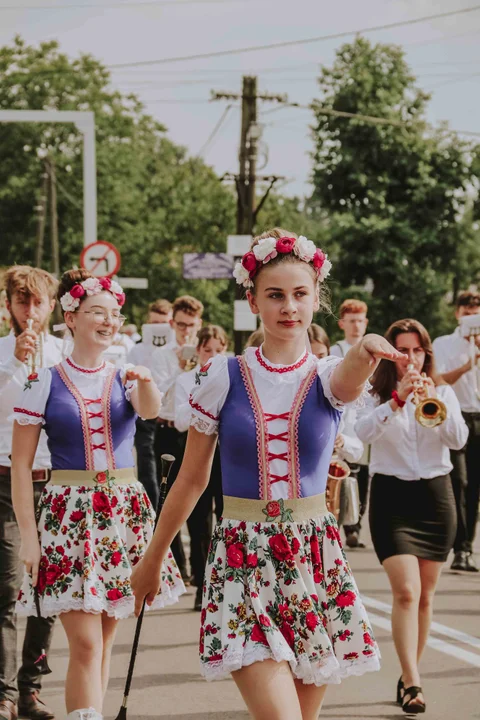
[
  {"x": 327, "y": 673},
  {"x": 119, "y": 610}
]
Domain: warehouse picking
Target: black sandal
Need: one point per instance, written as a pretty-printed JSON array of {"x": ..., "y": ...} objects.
[
  {"x": 412, "y": 693},
  {"x": 400, "y": 691}
]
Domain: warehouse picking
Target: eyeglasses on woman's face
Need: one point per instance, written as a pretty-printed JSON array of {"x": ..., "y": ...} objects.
[{"x": 102, "y": 316}]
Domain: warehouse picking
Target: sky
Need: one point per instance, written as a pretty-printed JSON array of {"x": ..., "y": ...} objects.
[{"x": 443, "y": 53}]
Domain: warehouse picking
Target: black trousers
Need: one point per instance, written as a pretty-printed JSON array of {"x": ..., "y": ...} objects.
[
  {"x": 363, "y": 484},
  {"x": 38, "y": 634},
  {"x": 169, "y": 440},
  {"x": 146, "y": 462},
  {"x": 200, "y": 522},
  {"x": 466, "y": 484}
]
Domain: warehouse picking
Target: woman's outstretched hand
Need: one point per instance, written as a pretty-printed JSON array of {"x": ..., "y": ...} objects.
[
  {"x": 145, "y": 583},
  {"x": 138, "y": 372},
  {"x": 375, "y": 348}
]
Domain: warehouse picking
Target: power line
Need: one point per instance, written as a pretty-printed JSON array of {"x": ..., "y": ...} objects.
[
  {"x": 215, "y": 130},
  {"x": 116, "y": 6},
  {"x": 290, "y": 43}
]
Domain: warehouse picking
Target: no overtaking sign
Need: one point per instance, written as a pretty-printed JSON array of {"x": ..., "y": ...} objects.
[{"x": 101, "y": 259}]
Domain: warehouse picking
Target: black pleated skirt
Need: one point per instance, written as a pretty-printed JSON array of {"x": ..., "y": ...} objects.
[{"x": 412, "y": 517}]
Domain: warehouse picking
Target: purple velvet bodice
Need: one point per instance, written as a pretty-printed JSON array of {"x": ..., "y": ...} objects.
[
  {"x": 313, "y": 427},
  {"x": 66, "y": 425}
]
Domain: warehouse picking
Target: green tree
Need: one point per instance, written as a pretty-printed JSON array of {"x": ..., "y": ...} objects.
[
  {"x": 154, "y": 201},
  {"x": 395, "y": 193}
]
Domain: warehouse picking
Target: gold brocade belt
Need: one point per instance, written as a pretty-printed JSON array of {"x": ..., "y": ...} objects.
[
  {"x": 294, "y": 510},
  {"x": 93, "y": 478}
]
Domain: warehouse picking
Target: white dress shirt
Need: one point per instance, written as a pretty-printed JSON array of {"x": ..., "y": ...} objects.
[
  {"x": 340, "y": 348},
  {"x": 451, "y": 352},
  {"x": 141, "y": 354},
  {"x": 184, "y": 385},
  {"x": 13, "y": 376},
  {"x": 400, "y": 446},
  {"x": 352, "y": 450},
  {"x": 165, "y": 370}
]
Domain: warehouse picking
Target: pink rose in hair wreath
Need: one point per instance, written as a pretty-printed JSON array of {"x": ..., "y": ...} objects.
[
  {"x": 106, "y": 283},
  {"x": 285, "y": 245},
  {"x": 250, "y": 263},
  {"x": 77, "y": 291},
  {"x": 318, "y": 259}
]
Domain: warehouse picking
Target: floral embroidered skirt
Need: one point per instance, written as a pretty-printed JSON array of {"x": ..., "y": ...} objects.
[
  {"x": 283, "y": 591},
  {"x": 90, "y": 539}
]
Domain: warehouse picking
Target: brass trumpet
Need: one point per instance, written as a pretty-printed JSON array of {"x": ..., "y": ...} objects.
[{"x": 430, "y": 411}]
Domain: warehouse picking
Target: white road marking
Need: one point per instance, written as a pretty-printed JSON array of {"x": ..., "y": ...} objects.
[
  {"x": 433, "y": 642},
  {"x": 440, "y": 629}
]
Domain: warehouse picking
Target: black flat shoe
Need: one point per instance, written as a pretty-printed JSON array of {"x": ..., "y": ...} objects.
[
  {"x": 400, "y": 691},
  {"x": 409, "y": 695}
]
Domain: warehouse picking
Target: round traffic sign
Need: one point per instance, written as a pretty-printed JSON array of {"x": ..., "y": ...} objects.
[{"x": 100, "y": 258}]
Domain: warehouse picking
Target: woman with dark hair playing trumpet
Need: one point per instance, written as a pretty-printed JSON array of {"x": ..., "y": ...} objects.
[{"x": 411, "y": 422}]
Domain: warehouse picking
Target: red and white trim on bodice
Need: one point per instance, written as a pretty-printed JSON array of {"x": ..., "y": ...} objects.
[
  {"x": 86, "y": 414},
  {"x": 283, "y": 369},
  {"x": 289, "y": 436},
  {"x": 87, "y": 371}
]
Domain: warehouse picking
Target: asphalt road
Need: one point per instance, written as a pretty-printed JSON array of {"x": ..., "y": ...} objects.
[{"x": 167, "y": 683}]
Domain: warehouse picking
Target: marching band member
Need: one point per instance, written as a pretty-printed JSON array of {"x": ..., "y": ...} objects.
[
  {"x": 319, "y": 341},
  {"x": 168, "y": 362},
  {"x": 455, "y": 363},
  {"x": 354, "y": 322},
  {"x": 94, "y": 519},
  {"x": 211, "y": 341},
  {"x": 30, "y": 295},
  {"x": 278, "y": 588},
  {"x": 159, "y": 311},
  {"x": 412, "y": 510}
]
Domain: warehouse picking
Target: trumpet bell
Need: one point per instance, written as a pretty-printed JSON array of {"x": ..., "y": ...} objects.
[
  {"x": 337, "y": 472},
  {"x": 430, "y": 412}
]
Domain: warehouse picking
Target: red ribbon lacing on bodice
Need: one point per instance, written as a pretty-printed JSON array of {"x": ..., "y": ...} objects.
[
  {"x": 283, "y": 437},
  {"x": 93, "y": 431}
]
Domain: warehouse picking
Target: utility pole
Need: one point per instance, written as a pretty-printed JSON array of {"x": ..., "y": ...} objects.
[
  {"x": 246, "y": 179},
  {"x": 54, "y": 219},
  {"x": 42, "y": 212}
]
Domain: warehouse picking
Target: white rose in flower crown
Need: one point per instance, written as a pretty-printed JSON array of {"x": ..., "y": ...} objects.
[
  {"x": 69, "y": 303},
  {"x": 325, "y": 271},
  {"x": 241, "y": 275},
  {"x": 266, "y": 249},
  {"x": 91, "y": 286},
  {"x": 115, "y": 287},
  {"x": 304, "y": 249}
]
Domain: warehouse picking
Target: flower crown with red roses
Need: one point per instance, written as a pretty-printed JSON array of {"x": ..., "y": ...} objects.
[
  {"x": 91, "y": 286},
  {"x": 269, "y": 247}
]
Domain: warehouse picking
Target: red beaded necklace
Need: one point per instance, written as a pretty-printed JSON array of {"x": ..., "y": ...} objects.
[
  {"x": 85, "y": 370},
  {"x": 288, "y": 368}
]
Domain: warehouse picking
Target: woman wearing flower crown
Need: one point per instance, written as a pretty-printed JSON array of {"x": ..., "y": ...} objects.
[
  {"x": 94, "y": 519},
  {"x": 278, "y": 588}
]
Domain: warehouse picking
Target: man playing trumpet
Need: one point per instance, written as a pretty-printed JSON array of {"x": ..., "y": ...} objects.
[
  {"x": 454, "y": 360},
  {"x": 30, "y": 301}
]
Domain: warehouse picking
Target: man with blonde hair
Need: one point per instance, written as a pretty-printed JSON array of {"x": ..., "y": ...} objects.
[{"x": 30, "y": 295}]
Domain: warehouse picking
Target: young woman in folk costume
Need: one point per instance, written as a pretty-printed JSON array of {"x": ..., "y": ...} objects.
[
  {"x": 94, "y": 518},
  {"x": 278, "y": 588}
]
